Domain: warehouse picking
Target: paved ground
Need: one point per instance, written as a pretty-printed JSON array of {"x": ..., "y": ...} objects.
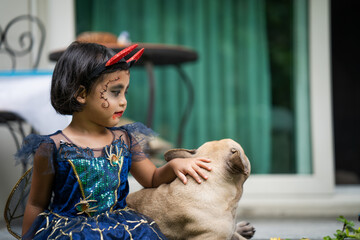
[
  {"x": 4, "y": 235},
  {"x": 312, "y": 228}
]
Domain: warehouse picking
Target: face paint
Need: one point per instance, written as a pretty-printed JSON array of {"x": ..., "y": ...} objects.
[{"x": 106, "y": 104}]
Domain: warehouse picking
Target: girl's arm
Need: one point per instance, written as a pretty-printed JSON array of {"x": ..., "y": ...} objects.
[
  {"x": 146, "y": 173},
  {"x": 41, "y": 186}
]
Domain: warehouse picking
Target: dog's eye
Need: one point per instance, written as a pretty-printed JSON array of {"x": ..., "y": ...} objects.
[{"x": 233, "y": 150}]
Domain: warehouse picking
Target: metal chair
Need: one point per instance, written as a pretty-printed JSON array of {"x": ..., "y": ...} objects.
[
  {"x": 15, "y": 205},
  {"x": 26, "y": 40}
]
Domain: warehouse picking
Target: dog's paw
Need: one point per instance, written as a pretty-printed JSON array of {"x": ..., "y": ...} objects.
[{"x": 245, "y": 229}]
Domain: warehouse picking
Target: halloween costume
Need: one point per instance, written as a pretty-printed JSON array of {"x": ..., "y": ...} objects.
[
  {"x": 90, "y": 189},
  {"x": 90, "y": 185}
]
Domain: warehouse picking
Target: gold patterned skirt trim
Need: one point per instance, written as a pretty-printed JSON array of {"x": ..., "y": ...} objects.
[{"x": 62, "y": 222}]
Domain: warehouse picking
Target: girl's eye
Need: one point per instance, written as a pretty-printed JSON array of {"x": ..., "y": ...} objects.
[{"x": 116, "y": 93}]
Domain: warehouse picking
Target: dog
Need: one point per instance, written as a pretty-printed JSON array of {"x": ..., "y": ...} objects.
[{"x": 200, "y": 211}]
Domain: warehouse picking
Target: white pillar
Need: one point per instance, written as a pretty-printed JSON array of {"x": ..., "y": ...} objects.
[{"x": 61, "y": 24}]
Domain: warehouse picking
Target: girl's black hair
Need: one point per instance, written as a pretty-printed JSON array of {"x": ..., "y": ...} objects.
[{"x": 73, "y": 70}]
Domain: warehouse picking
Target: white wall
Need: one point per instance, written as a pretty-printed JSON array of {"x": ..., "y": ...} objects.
[{"x": 58, "y": 18}]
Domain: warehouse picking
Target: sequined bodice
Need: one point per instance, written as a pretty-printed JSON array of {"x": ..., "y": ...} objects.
[{"x": 90, "y": 185}]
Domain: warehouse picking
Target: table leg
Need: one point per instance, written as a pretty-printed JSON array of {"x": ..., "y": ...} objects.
[
  {"x": 19, "y": 122},
  {"x": 185, "y": 116},
  {"x": 189, "y": 106},
  {"x": 150, "y": 71}
]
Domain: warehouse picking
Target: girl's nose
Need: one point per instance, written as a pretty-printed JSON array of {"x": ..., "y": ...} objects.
[{"x": 123, "y": 101}]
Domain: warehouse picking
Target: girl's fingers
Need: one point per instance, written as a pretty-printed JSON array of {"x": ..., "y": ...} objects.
[
  {"x": 199, "y": 170},
  {"x": 204, "y": 166},
  {"x": 194, "y": 167},
  {"x": 182, "y": 177},
  {"x": 204, "y": 159},
  {"x": 194, "y": 174},
  {"x": 202, "y": 174}
]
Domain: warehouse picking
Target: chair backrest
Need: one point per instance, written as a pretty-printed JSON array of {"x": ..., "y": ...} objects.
[
  {"x": 26, "y": 40},
  {"x": 22, "y": 37},
  {"x": 16, "y": 203}
]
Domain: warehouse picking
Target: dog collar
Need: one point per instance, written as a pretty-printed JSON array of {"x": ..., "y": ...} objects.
[{"x": 118, "y": 59}]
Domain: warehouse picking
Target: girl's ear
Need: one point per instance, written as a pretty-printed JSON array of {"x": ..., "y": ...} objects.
[{"x": 81, "y": 94}]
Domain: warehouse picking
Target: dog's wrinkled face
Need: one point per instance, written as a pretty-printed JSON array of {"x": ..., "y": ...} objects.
[{"x": 225, "y": 151}]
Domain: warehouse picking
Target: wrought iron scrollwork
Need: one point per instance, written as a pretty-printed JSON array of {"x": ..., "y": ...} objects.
[
  {"x": 16, "y": 42},
  {"x": 25, "y": 40}
]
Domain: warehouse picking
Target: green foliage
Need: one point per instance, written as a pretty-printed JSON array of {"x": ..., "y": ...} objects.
[{"x": 348, "y": 231}]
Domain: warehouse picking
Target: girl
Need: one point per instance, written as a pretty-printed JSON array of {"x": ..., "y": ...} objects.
[{"x": 79, "y": 183}]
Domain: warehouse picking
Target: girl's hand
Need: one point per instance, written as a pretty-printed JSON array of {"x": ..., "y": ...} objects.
[{"x": 191, "y": 166}]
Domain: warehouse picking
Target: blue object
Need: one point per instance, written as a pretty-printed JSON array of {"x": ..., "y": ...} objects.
[{"x": 90, "y": 189}]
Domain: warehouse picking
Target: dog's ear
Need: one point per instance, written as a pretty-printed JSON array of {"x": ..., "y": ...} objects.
[
  {"x": 179, "y": 153},
  {"x": 236, "y": 164}
]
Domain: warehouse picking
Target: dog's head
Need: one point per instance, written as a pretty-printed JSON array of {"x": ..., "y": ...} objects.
[{"x": 227, "y": 157}]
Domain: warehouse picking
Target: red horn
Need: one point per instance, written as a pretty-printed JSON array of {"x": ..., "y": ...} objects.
[
  {"x": 136, "y": 56},
  {"x": 120, "y": 55}
]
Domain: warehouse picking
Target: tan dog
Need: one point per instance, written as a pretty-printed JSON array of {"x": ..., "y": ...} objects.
[{"x": 200, "y": 211}]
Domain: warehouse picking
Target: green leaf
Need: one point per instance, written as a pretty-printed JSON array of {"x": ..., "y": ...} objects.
[
  {"x": 346, "y": 230},
  {"x": 350, "y": 223},
  {"x": 341, "y": 219}
]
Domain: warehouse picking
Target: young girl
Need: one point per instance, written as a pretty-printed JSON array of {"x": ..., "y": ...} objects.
[{"x": 79, "y": 182}]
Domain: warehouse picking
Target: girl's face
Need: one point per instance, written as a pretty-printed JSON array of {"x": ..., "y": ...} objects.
[{"x": 106, "y": 102}]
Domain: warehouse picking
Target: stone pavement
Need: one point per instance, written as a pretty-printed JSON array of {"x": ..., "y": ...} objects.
[{"x": 296, "y": 228}]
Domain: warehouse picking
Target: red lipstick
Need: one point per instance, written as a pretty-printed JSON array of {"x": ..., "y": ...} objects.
[{"x": 117, "y": 115}]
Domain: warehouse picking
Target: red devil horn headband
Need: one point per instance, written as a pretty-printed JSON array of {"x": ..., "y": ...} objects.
[
  {"x": 136, "y": 56},
  {"x": 119, "y": 58}
]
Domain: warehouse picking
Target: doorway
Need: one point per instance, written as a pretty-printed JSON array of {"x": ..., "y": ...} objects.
[{"x": 345, "y": 51}]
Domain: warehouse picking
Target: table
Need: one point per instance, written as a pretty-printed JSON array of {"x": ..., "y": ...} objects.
[
  {"x": 158, "y": 55},
  {"x": 25, "y": 97},
  {"x": 28, "y": 95}
]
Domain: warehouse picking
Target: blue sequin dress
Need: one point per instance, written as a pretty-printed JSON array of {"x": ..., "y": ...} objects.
[{"x": 90, "y": 190}]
